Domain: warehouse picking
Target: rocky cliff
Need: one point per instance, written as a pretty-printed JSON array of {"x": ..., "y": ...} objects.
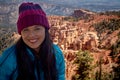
[{"x": 97, "y": 33}]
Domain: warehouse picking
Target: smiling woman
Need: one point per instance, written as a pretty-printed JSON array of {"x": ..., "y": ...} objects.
[
  {"x": 33, "y": 36},
  {"x": 34, "y": 56}
]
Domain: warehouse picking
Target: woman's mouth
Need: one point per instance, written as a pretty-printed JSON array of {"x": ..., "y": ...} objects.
[{"x": 33, "y": 40}]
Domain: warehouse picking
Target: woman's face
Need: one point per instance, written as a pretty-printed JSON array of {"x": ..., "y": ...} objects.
[{"x": 33, "y": 36}]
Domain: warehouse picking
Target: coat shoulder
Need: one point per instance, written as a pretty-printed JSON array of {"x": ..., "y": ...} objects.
[
  {"x": 8, "y": 57},
  {"x": 8, "y": 63}
]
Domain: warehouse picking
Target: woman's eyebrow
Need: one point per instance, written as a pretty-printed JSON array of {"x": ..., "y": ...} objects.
[{"x": 37, "y": 25}]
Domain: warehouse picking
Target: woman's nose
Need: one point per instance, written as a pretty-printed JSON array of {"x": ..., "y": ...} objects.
[{"x": 31, "y": 34}]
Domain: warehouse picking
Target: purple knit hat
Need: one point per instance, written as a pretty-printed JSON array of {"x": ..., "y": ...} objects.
[{"x": 31, "y": 14}]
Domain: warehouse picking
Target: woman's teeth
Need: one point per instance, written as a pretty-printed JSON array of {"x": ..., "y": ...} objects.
[{"x": 33, "y": 40}]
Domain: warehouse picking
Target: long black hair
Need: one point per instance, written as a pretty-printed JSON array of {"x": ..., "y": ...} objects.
[{"x": 46, "y": 57}]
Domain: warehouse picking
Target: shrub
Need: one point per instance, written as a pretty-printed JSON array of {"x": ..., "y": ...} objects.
[{"x": 84, "y": 66}]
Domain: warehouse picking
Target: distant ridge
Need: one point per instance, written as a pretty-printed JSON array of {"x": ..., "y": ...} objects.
[{"x": 81, "y": 13}]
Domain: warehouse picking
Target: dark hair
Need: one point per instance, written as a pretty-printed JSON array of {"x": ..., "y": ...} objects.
[{"x": 46, "y": 57}]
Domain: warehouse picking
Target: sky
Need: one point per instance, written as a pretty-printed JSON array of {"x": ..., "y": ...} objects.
[{"x": 94, "y": 5}]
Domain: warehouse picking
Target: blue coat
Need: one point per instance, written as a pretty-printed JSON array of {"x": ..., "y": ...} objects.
[{"x": 8, "y": 64}]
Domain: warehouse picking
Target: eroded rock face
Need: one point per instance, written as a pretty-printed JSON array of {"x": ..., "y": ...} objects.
[
  {"x": 117, "y": 59},
  {"x": 82, "y": 35}
]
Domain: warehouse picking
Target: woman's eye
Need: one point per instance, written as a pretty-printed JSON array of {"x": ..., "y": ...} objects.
[
  {"x": 37, "y": 29},
  {"x": 25, "y": 30}
]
